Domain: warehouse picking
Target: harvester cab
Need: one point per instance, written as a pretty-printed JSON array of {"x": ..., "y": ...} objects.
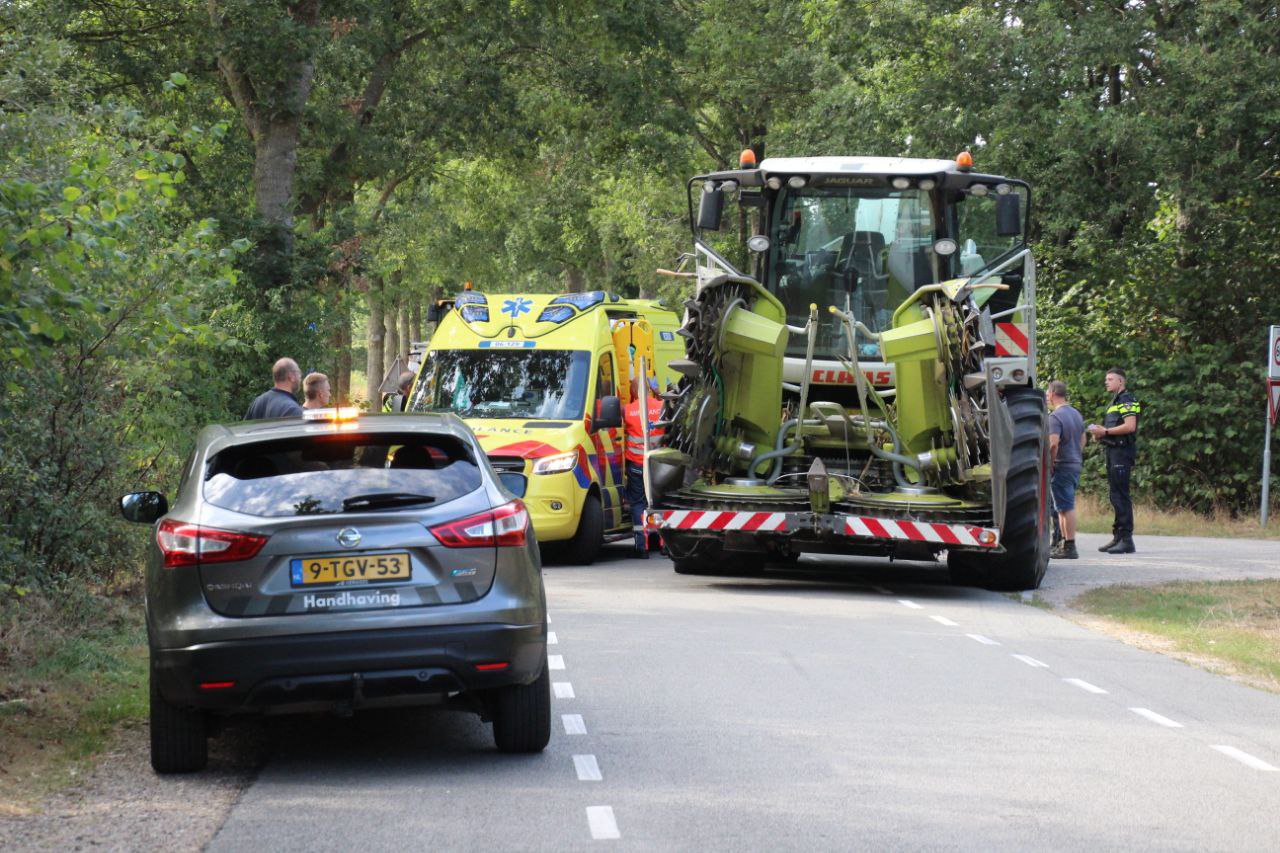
[{"x": 860, "y": 371}]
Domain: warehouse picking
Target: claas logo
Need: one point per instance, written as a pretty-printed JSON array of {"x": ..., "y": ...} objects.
[{"x": 844, "y": 377}]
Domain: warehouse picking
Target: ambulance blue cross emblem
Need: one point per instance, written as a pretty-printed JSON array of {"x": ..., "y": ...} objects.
[{"x": 516, "y": 307}]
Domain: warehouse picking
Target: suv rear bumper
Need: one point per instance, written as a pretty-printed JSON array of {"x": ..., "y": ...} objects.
[{"x": 350, "y": 669}]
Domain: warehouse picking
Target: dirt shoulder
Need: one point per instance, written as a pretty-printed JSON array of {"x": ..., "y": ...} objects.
[{"x": 122, "y": 805}]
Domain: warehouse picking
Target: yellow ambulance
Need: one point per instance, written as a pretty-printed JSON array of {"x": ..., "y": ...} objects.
[{"x": 541, "y": 379}]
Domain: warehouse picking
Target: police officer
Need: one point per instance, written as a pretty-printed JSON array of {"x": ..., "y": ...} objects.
[
  {"x": 398, "y": 401},
  {"x": 634, "y": 453},
  {"x": 1119, "y": 434}
]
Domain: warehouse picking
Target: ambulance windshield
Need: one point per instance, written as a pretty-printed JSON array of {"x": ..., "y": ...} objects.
[{"x": 504, "y": 383}]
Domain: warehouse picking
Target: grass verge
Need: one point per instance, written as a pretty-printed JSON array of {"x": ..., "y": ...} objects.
[
  {"x": 73, "y": 667},
  {"x": 1231, "y": 627},
  {"x": 1095, "y": 516}
]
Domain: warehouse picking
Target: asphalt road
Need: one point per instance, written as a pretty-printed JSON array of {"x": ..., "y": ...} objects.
[{"x": 852, "y": 705}]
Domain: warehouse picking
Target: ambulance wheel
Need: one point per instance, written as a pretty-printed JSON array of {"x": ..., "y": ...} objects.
[
  {"x": 584, "y": 547},
  {"x": 1027, "y": 524}
]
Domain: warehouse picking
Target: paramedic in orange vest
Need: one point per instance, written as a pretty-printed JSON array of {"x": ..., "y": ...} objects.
[{"x": 635, "y": 458}]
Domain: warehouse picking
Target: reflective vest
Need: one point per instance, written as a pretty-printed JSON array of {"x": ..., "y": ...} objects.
[{"x": 635, "y": 434}]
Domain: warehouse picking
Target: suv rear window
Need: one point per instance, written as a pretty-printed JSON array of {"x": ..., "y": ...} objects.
[{"x": 322, "y": 474}]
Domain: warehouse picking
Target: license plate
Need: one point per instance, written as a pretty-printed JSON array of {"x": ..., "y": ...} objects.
[{"x": 344, "y": 568}]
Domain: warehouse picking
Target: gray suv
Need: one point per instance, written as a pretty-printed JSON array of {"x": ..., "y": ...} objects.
[{"x": 340, "y": 562}]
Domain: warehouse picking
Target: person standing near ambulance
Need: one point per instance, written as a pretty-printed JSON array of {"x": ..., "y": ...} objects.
[{"x": 634, "y": 454}]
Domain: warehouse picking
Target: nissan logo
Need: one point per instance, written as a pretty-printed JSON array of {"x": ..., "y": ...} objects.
[{"x": 349, "y": 537}]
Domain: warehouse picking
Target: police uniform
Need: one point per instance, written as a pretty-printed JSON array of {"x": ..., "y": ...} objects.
[
  {"x": 634, "y": 453},
  {"x": 1122, "y": 453}
]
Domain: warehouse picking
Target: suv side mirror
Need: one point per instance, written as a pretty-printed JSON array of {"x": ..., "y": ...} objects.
[
  {"x": 710, "y": 209},
  {"x": 143, "y": 507},
  {"x": 1008, "y": 215},
  {"x": 610, "y": 416}
]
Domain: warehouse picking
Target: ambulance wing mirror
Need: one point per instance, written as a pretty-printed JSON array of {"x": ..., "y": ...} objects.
[
  {"x": 610, "y": 416},
  {"x": 434, "y": 313},
  {"x": 710, "y": 207}
]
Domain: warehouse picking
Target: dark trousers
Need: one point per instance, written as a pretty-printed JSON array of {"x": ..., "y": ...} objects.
[
  {"x": 639, "y": 503},
  {"x": 1119, "y": 472}
]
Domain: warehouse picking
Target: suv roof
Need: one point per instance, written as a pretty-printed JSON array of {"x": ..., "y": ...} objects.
[{"x": 219, "y": 436}]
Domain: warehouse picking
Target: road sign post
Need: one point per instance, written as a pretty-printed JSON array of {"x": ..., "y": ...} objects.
[{"x": 1273, "y": 409}]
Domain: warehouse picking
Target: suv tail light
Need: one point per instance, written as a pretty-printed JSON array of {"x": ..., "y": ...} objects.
[
  {"x": 192, "y": 545},
  {"x": 500, "y": 527}
]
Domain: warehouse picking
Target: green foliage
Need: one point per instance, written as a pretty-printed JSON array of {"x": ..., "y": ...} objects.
[{"x": 113, "y": 295}]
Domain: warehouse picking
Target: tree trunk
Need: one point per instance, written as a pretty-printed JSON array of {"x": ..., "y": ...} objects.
[
  {"x": 392, "y": 347},
  {"x": 373, "y": 342},
  {"x": 342, "y": 375},
  {"x": 415, "y": 320},
  {"x": 405, "y": 333},
  {"x": 575, "y": 279}
]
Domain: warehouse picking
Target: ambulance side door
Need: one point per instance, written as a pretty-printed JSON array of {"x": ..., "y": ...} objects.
[{"x": 607, "y": 446}]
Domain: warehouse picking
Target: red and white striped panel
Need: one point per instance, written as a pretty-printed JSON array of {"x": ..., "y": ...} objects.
[
  {"x": 920, "y": 531},
  {"x": 692, "y": 519},
  {"x": 1011, "y": 339}
]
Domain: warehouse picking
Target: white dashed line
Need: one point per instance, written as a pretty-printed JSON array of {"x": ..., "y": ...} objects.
[
  {"x": 552, "y": 639},
  {"x": 549, "y": 615},
  {"x": 1246, "y": 759},
  {"x": 603, "y": 826},
  {"x": 1156, "y": 718},
  {"x": 986, "y": 641},
  {"x": 588, "y": 769},
  {"x": 1084, "y": 685},
  {"x": 878, "y": 589},
  {"x": 563, "y": 689},
  {"x": 1030, "y": 661},
  {"x": 906, "y": 602},
  {"x": 573, "y": 724},
  {"x": 942, "y": 620},
  {"x": 555, "y": 661}
]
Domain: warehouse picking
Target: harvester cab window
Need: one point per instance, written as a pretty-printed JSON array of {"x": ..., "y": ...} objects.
[{"x": 863, "y": 250}]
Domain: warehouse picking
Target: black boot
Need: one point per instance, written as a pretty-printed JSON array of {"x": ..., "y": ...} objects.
[
  {"x": 1066, "y": 550},
  {"x": 1124, "y": 545},
  {"x": 1115, "y": 540}
]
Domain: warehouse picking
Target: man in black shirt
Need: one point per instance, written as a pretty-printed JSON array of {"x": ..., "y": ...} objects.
[
  {"x": 279, "y": 401},
  {"x": 1119, "y": 434}
]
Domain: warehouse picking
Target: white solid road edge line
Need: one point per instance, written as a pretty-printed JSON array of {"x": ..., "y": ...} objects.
[
  {"x": 1246, "y": 759},
  {"x": 986, "y": 641},
  {"x": 1030, "y": 661},
  {"x": 555, "y": 661},
  {"x": 906, "y": 602},
  {"x": 942, "y": 620},
  {"x": 1084, "y": 685},
  {"x": 573, "y": 724},
  {"x": 1157, "y": 718},
  {"x": 552, "y": 639},
  {"x": 563, "y": 689},
  {"x": 588, "y": 768},
  {"x": 603, "y": 825}
]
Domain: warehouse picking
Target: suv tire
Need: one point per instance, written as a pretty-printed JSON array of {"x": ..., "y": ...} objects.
[
  {"x": 179, "y": 736},
  {"x": 522, "y": 715}
]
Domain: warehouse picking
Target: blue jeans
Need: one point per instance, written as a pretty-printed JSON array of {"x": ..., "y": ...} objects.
[{"x": 1064, "y": 484}]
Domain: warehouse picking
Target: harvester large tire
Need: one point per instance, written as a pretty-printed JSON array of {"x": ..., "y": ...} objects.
[
  {"x": 1025, "y": 534},
  {"x": 584, "y": 547}
]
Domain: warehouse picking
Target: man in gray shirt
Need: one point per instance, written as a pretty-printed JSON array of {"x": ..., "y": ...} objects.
[
  {"x": 1066, "y": 454},
  {"x": 279, "y": 401}
]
